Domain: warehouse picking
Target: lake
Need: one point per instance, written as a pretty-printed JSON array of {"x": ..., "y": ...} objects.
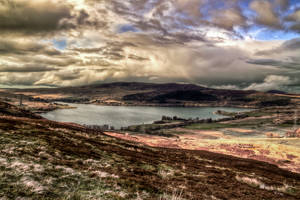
[{"x": 122, "y": 116}]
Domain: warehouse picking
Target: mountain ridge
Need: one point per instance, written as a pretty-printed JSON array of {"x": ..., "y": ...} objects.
[{"x": 155, "y": 94}]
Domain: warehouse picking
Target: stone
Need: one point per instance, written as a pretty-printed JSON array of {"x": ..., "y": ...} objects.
[
  {"x": 272, "y": 135},
  {"x": 293, "y": 134}
]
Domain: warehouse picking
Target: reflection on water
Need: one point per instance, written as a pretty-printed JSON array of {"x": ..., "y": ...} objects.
[{"x": 122, "y": 116}]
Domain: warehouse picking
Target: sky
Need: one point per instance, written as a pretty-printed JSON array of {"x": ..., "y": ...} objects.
[{"x": 228, "y": 44}]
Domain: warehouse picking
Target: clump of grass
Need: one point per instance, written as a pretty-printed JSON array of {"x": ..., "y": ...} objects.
[
  {"x": 148, "y": 167},
  {"x": 256, "y": 182},
  {"x": 165, "y": 171},
  {"x": 211, "y": 126},
  {"x": 176, "y": 195}
]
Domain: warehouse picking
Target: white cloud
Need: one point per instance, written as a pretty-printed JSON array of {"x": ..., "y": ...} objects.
[{"x": 272, "y": 82}]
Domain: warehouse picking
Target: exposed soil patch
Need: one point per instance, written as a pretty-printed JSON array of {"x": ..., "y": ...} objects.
[{"x": 267, "y": 150}]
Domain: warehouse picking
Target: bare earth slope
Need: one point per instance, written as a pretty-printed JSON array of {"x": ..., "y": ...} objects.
[{"x": 41, "y": 159}]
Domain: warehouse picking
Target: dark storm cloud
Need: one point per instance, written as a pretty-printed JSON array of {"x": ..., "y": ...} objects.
[
  {"x": 182, "y": 16},
  {"x": 27, "y": 68},
  {"x": 271, "y": 82},
  {"x": 27, "y": 79},
  {"x": 276, "y": 63},
  {"x": 285, "y": 59},
  {"x": 294, "y": 19},
  {"x": 88, "y": 50},
  {"x": 10, "y": 46},
  {"x": 283, "y": 4},
  {"x": 138, "y": 58},
  {"x": 32, "y": 16},
  {"x": 292, "y": 45},
  {"x": 42, "y": 16},
  {"x": 229, "y": 18},
  {"x": 97, "y": 62},
  {"x": 225, "y": 14},
  {"x": 58, "y": 61},
  {"x": 67, "y": 76},
  {"x": 266, "y": 14}
]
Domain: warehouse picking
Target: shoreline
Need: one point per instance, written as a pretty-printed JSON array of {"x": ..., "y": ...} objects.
[
  {"x": 212, "y": 116},
  {"x": 185, "y": 105}
]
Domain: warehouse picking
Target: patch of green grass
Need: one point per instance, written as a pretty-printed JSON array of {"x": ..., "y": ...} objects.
[
  {"x": 245, "y": 124},
  {"x": 257, "y": 114},
  {"x": 148, "y": 167},
  {"x": 285, "y": 125},
  {"x": 165, "y": 171},
  {"x": 211, "y": 126},
  {"x": 174, "y": 132},
  {"x": 291, "y": 191}
]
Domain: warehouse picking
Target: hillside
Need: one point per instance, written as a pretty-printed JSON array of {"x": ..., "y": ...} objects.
[
  {"x": 41, "y": 159},
  {"x": 171, "y": 94},
  {"x": 10, "y": 110}
]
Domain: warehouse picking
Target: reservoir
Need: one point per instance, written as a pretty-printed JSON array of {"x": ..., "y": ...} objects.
[{"x": 123, "y": 116}]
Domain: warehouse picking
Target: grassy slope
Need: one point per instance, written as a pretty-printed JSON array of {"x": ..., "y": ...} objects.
[{"x": 47, "y": 160}]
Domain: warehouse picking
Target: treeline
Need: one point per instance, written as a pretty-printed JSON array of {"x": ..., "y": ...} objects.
[
  {"x": 104, "y": 127},
  {"x": 158, "y": 127}
]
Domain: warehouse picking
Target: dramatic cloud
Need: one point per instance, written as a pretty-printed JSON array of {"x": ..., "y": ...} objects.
[
  {"x": 294, "y": 18},
  {"x": 31, "y": 16},
  {"x": 272, "y": 82},
  {"x": 219, "y": 43},
  {"x": 286, "y": 56},
  {"x": 27, "y": 68},
  {"x": 230, "y": 18},
  {"x": 191, "y": 7},
  {"x": 266, "y": 14},
  {"x": 283, "y": 4},
  {"x": 17, "y": 46}
]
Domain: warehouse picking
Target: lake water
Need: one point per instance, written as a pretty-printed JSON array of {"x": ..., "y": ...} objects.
[{"x": 122, "y": 116}]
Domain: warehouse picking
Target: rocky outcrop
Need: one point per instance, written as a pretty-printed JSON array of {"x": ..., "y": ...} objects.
[
  {"x": 293, "y": 134},
  {"x": 272, "y": 135},
  {"x": 11, "y": 110}
]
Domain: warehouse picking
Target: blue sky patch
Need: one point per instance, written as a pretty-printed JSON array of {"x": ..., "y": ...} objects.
[
  {"x": 126, "y": 28},
  {"x": 60, "y": 44}
]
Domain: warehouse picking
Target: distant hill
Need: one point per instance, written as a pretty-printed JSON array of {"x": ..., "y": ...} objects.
[
  {"x": 172, "y": 94},
  {"x": 11, "y": 110},
  {"x": 276, "y": 92}
]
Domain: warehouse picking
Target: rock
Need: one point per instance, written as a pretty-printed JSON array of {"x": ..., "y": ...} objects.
[
  {"x": 272, "y": 135},
  {"x": 293, "y": 134}
]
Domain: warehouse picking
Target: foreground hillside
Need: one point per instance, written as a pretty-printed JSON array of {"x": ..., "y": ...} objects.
[
  {"x": 172, "y": 94},
  {"x": 41, "y": 159},
  {"x": 269, "y": 134}
]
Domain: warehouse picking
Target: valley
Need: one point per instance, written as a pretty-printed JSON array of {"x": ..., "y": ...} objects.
[
  {"x": 42, "y": 159},
  {"x": 250, "y": 154}
]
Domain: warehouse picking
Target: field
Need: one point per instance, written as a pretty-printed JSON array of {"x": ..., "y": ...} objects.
[{"x": 261, "y": 135}]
